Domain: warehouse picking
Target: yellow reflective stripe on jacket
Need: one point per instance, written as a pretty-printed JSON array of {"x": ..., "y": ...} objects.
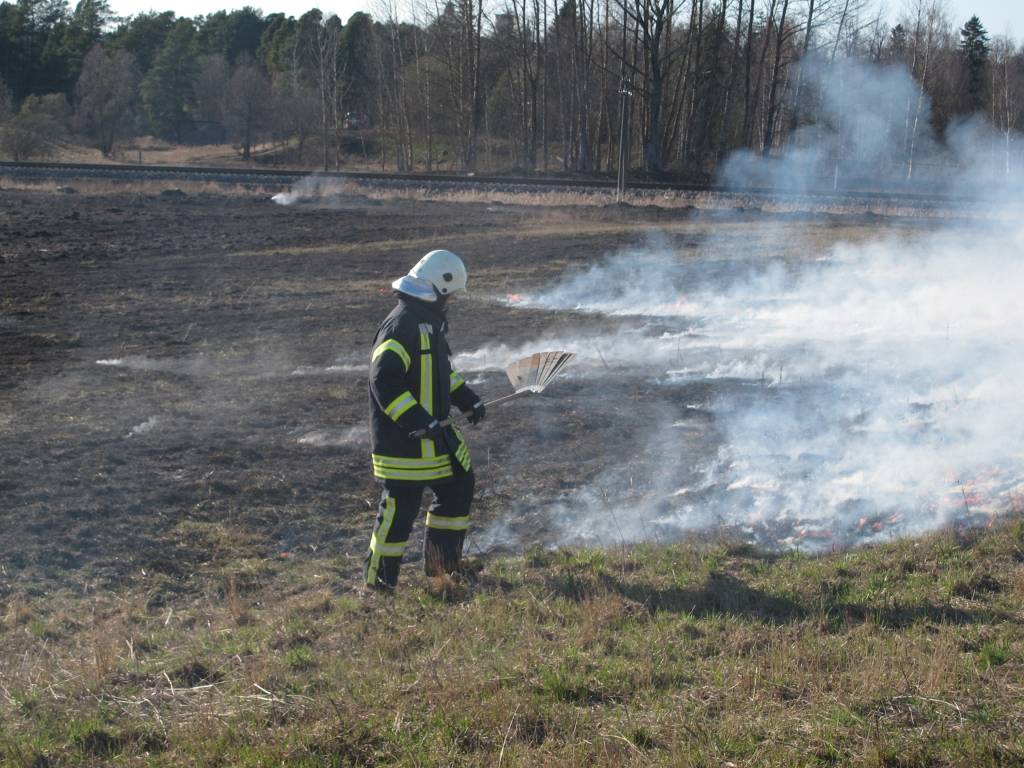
[
  {"x": 427, "y": 448},
  {"x": 426, "y": 371},
  {"x": 415, "y": 475},
  {"x": 400, "y": 405},
  {"x": 447, "y": 523},
  {"x": 462, "y": 454},
  {"x": 402, "y": 462},
  {"x": 392, "y": 345},
  {"x": 402, "y": 468},
  {"x": 455, "y": 381}
]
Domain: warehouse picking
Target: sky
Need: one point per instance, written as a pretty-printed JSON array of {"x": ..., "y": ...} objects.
[{"x": 1000, "y": 17}]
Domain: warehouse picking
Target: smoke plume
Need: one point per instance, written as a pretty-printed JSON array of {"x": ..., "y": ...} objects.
[
  {"x": 865, "y": 391},
  {"x": 872, "y": 129}
]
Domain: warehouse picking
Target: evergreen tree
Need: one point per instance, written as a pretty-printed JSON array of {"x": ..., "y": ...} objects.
[
  {"x": 167, "y": 87},
  {"x": 143, "y": 36},
  {"x": 6, "y": 105},
  {"x": 85, "y": 27},
  {"x": 898, "y": 42},
  {"x": 32, "y": 34},
  {"x": 277, "y": 45},
  {"x": 37, "y": 128},
  {"x": 359, "y": 68},
  {"x": 231, "y": 34},
  {"x": 974, "y": 57}
]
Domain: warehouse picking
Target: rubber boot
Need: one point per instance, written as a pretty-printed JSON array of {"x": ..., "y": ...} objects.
[{"x": 387, "y": 573}]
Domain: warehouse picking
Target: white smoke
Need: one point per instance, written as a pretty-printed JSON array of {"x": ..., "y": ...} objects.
[
  {"x": 267, "y": 362},
  {"x": 333, "y": 438},
  {"x": 321, "y": 191},
  {"x": 145, "y": 427},
  {"x": 872, "y": 130},
  {"x": 868, "y": 390},
  {"x": 307, "y": 188},
  {"x": 343, "y": 368}
]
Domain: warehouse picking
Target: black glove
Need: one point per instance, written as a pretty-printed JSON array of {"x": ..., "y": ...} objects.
[{"x": 477, "y": 414}]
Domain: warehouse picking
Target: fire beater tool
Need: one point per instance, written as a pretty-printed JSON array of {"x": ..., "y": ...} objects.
[{"x": 528, "y": 376}]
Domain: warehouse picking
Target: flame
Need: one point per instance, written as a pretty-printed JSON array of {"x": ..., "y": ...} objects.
[
  {"x": 514, "y": 298},
  {"x": 877, "y": 523},
  {"x": 814, "y": 533}
]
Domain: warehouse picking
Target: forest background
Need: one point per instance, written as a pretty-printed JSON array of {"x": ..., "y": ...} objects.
[{"x": 524, "y": 85}]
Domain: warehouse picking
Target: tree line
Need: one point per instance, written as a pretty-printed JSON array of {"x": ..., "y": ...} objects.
[{"x": 523, "y": 84}]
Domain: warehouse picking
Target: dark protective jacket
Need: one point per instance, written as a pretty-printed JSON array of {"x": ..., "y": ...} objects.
[{"x": 412, "y": 384}]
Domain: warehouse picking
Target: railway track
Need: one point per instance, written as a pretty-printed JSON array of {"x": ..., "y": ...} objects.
[{"x": 282, "y": 179}]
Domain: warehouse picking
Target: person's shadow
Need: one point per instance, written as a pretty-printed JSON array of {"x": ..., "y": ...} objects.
[{"x": 722, "y": 594}]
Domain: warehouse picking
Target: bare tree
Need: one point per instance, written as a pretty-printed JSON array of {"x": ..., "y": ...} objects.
[
  {"x": 325, "y": 48},
  {"x": 459, "y": 27},
  {"x": 397, "y": 86},
  {"x": 928, "y": 17},
  {"x": 247, "y": 103},
  {"x": 211, "y": 87},
  {"x": 782, "y": 36},
  {"x": 294, "y": 110},
  {"x": 525, "y": 63},
  {"x": 1007, "y": 91},
  {"x": 653, "y": 20},
  {"x": 105, "y": 96},
  {"x": 424, "y": 83}
]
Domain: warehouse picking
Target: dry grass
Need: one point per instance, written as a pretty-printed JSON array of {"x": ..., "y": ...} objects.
[
  {"x": 909, "y": 654},
  {"x": 150, "y": 150},
  {"x": 677, "y": 200},
  {"x": 154, "y": 187},
  {"x": 330, "y": 192}
]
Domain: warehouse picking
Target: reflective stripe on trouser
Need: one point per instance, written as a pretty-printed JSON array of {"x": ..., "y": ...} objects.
[
  {"x": 395, "y": 515},
  {"x": 399, "y": 505}
]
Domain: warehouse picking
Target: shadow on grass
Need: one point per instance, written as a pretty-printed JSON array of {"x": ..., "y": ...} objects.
[{"x": 723, "y": 594}]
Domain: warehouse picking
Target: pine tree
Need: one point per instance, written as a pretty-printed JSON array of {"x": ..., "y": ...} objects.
[
  {"x": 167, "y": 90},
  {"x": 974, "y": 56}
]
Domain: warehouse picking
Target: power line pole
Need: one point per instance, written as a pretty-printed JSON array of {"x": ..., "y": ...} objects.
[{"x": 625, "y": 92}]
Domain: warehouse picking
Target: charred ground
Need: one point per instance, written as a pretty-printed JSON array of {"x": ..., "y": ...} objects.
[
  {"x": 165, "y": 355},
  {"x": 183, "y": 522}
]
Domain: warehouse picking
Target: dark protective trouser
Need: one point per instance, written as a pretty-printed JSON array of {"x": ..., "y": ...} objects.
[{"x": 447, "y": 523}]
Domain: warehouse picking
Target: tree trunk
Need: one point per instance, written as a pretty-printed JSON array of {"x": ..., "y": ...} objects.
[{"x": 780, "y": 39}]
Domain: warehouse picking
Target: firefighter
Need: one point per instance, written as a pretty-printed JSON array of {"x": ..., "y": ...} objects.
[{"x": 412, "y": 387}]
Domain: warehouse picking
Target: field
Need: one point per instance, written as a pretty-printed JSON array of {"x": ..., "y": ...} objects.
[{"x": 187, "y": 499}]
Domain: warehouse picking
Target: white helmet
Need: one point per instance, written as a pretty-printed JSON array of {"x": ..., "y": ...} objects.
[{"x": 440, "y": 271}]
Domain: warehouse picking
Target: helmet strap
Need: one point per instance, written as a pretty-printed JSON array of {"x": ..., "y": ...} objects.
[{"x": 441, "y": 305}]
